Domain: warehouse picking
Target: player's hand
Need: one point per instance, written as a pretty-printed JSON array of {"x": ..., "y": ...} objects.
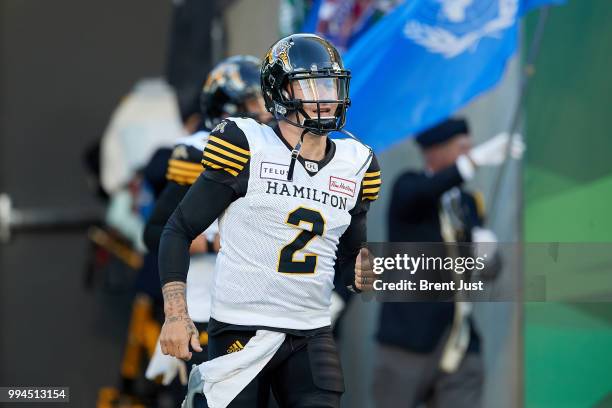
[
  {"x": 364, "y": 274},
  {"x": 199, "y": 245},
  {"x": 217, "y": 243},
  {"x": 177, "y": 333}
]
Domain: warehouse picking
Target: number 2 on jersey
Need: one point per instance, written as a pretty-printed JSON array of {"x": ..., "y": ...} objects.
[{"x": 286, "y": 261}]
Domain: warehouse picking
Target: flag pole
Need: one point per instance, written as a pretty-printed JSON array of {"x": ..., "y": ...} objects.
[{"x": 528, "y": 72}]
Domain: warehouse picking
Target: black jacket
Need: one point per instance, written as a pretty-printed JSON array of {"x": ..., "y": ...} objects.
[{"x": 413, "y": 217}]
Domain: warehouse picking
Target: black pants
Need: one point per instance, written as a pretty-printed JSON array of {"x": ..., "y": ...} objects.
[{"x": 305, "y": 372}]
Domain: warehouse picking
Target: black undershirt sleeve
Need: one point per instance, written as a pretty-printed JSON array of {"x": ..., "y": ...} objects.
[
  {"x": 188, "y": 221},
  {"x": 356, "y": 235},
  {"x": 167, "y": 202},
  {"x": 353, "y": 239}
]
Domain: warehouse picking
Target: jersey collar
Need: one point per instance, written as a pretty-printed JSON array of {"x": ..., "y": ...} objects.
[{"x": 330, "y": 151}]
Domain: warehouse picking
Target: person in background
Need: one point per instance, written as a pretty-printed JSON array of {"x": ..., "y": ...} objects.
[{"x": 430, "y": 353}]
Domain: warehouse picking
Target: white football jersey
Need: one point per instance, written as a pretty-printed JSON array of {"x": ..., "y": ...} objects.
[{"x": 279, "y": 239}]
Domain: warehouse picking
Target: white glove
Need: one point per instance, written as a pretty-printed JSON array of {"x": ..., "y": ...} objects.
[
  {"x": 485, "y": 242},
  {"x": 167, "y": 365},
  {"x": 493, "y": 151}
]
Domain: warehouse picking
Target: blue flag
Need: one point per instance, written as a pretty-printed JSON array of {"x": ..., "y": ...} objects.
[{"x": 425, "y": 60}]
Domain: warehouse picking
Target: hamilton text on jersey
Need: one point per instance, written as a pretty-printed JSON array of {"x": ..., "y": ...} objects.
[{"x": 308, "y": 193}]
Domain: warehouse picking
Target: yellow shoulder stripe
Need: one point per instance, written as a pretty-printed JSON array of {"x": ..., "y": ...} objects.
[
  {"x": 211, "y": 165},
  {"x": 222, "y": 160},
  {"x": 181, "y": 179},
  {"x": 188, "y": 173},
  {"x": 226, "y": 153},
  {"x": 373, "y": 174},
  {"x": 229, "y": 145},
  {"x": 371, "y": 190},
  {"x": 184, "y": 165},
  {"x": 371, "y": 198},
  {"x": 371, "y": 182}
]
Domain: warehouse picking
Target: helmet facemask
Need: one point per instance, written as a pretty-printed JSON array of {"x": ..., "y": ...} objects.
[{"x": 316, "y": 100}]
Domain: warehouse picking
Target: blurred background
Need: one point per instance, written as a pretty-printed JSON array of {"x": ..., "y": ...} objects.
[{"x": 70, "y": 70}]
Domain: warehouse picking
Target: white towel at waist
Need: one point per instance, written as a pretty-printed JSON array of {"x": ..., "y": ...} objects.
[
  {"x": 225, "y": 376},
  {"x": 168, "y": 366}
]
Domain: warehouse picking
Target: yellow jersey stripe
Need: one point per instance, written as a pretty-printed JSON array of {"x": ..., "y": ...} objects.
[
  {"x": 372, "y": 174},
  {"x": 371, "y": 182},
  {"x": 226, "y": 153},
  {"x": 371, "y": 190},
  {"x": 181, "y": 179},
  {"x": 188, "y": 173},
  {"x": 229, "y": 145},
  {"x": 222, "y": 160},
  {"x": 184, "y": 165},
  {"x": 217, "y": 167},
  {"x": 371, "y": 198}
]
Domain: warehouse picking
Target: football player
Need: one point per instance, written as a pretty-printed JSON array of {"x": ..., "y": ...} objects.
[
  {"x": 292, "y": 206},
  {"x": 231, "y": 88}
]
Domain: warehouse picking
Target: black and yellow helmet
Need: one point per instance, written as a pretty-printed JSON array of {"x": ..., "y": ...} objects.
[
  {"x": 228, "y": 86},
  {"x": 304, "y": 69}
]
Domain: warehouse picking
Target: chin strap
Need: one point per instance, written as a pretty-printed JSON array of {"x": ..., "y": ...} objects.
[{"x": 294, "y": 155}]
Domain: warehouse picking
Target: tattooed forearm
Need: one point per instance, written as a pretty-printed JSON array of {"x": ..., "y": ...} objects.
[
  {"x": 172, "y": 319},
  {"x": 189, "y": 325},
  {"x": 191, "y": 329},
  {"x": 175, "y": 303}
]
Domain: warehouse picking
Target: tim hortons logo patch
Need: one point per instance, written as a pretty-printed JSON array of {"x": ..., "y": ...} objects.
[{"x": 340, "y": 185}]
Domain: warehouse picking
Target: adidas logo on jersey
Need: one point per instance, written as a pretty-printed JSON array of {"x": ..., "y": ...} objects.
[{"x": 235, "y": 347}]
